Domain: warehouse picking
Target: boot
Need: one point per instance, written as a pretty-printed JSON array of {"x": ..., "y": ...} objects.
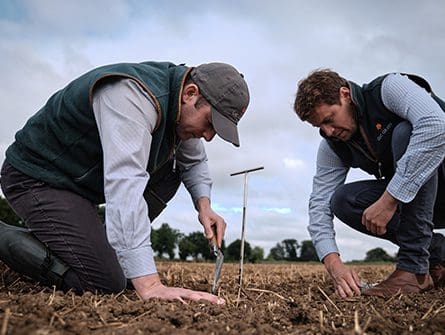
[
  {"x": 437, "y": 259},
  {"x": 437, "y": 272},
  {"x": 25, "y": 254},
  {"x": 401, "y": 282}
]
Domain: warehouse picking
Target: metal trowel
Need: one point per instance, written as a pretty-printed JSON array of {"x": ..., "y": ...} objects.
[{"x": 219, "y": 262}]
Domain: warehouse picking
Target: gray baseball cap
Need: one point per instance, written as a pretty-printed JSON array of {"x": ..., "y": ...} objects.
[{"x": 227, "y": 92}]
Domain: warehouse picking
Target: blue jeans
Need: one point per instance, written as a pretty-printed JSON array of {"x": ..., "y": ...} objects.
[{"x": 411, "y": 227}]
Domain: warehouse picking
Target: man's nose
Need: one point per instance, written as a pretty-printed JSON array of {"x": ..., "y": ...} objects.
[{"x": 328, "y": 130}]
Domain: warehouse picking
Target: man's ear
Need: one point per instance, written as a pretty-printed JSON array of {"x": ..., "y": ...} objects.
[
  {"x": 190, "y": 93},
  {"x": 345, "y": 93}
]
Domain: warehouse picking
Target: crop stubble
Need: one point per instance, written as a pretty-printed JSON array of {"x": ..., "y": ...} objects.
[{"x": 288, "y": 298}]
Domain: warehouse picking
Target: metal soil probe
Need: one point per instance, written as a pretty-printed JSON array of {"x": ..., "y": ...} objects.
[{"x": 245, "y": 172}]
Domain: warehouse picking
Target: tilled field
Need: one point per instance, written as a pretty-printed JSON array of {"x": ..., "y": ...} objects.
[{"x": 293, "y": 298}]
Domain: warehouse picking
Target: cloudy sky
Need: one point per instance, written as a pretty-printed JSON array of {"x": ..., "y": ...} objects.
[{"x": 46, "y": 43}]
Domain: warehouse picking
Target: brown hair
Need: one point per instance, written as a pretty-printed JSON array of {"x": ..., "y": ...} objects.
[
  {"x": 322, "y": 86},
  {"x": 201, "y": 101}
]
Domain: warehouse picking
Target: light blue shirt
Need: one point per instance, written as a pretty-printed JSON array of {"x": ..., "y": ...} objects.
[
  {"x": 126, "y": 117},
  {"x": 426, "y": 150}
]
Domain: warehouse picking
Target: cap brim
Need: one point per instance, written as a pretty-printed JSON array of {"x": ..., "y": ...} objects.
[{"x": 225, "y": 128}]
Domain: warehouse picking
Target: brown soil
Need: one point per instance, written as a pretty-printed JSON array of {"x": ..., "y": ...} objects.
[{"x": 289, "y": 298}]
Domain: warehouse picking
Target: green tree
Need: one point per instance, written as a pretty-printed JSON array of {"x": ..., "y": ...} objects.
[
  {"x": 7, "y": 214},
  {"x": 378, "y": 255},
  {"x": 257, "y": 255},
  {"x": 197, "y": 246},
  {"x": 290, "y": 249},
  {"x": 186, "y": 248},
  {"x": 164, "y": 240},
  {"x": 201, "y": 249},
  {"x": 277, "y": 253},
  {"x": 307, "y": 252},
  {"x": 233, "y": 251}
]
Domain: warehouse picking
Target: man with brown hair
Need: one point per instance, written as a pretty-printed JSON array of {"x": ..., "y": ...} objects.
[
  {"x": 126, "y": 135},
  {"x": 392, "y": 128}
]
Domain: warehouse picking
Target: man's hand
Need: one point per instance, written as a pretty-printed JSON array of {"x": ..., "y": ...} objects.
[
  {"x": 346, "y": 281},
  {"x": 150, "y": 287},
  {"x": 377, "y": 216},
  {"x": 212, "y": 222}
]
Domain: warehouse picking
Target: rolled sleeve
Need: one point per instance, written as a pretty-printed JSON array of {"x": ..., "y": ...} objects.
[
  {"x": 326, "y": 247},
  {"x": 426, "y": 148},
  {"x": 401, "y": 189},
  {"x": 137, "y": 262}
]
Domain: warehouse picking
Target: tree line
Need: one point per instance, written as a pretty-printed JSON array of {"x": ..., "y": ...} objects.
[{"x": 167, "y": 242}]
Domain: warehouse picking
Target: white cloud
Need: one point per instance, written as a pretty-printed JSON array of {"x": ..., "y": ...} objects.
[
  {"x": 292, "y": 163},
  {"x": 218, "y": 208},
  {"x": 285, "y": 210}
]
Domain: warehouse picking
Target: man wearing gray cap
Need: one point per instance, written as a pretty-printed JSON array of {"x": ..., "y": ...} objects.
[{"x": 125, "y": 135}]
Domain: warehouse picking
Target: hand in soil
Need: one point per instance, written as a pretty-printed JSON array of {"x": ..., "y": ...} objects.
[
  {"x": 182, "y": 294},
  {"x": 150, "y": 287},
  {"x": 347, "y": 283}
]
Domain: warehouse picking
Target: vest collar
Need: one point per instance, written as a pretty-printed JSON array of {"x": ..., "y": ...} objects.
[
  {"x": 357, "y": 98},
  {"x": 178, "y": 93}
]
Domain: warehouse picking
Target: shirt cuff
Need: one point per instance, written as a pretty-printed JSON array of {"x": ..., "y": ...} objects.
[
  {"x": 325, "y": 247},
  {"x": 402, "y": 190},
  {"x": 199, "y": 191},
  {"x": 137, "y": 262}
]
